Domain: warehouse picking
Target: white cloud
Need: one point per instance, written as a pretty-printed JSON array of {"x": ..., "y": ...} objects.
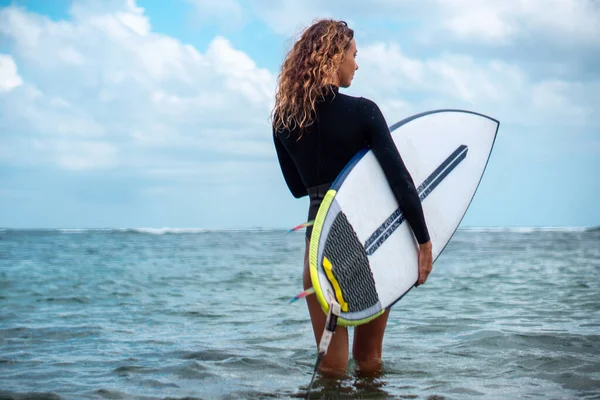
[
  {"x": 500, "y": 89},
  {"x": 240, "y": 72},
  {"x": 122, "y": 95},
  {"x": 134, "y": 18},
  {"x": 509, "y": 73},
  {"x": 9, "y": 77},
  {"x": 103, "y": 90},
  {"x": 497, "y": 21},
  {"x": 137, "y": 23},
  {"x": 483, "y": 21},
  {"x": 481, "y": 24}
]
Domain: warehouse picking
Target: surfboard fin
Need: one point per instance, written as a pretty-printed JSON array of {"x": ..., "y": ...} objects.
[
  {"x": 303, "y": 225},
  {"x": 302, "y": 295}
]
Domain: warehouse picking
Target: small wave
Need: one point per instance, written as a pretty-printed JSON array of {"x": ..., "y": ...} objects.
[
  {"x": 7, "y": 361},
  {"x": 74, "y": 231},
  {"x": 207, "y": 355},
  {"x": 55, "y": 230},
  {"x": 81, "y": 230},
  {"x": 529, "y": 229},
  {"x": 51, "y": 332},
  {"x": 76, "y": 299},
  {"x": 111, "y": 394},
  {"x": 149, "y": 231},
  {"x": 152, "y": 231},
  {"x": 30, "y": 395},
  {"x": 162, "y": 231},
  {"x": 132, "y": 369}
]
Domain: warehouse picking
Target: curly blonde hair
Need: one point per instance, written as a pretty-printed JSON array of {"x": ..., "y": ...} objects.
[{"x": 306, "y": 71}]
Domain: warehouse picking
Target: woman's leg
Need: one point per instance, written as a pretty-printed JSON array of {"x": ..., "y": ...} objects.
[
  {"x": 335, "y": 362},
  {"x": 368, "y": 343}
]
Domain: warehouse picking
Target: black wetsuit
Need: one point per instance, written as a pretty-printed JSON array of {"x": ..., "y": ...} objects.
[{"x": 345, "y": 125}]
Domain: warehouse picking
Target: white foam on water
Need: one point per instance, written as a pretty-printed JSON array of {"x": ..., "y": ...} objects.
[
  {"x": 162, "y": 231},
  {"x": 525, "y": 229}
]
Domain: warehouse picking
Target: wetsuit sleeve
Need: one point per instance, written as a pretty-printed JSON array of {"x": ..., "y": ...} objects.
[
  {"x": 380, "y": 141},
  {"x": 289, "y": 170}
]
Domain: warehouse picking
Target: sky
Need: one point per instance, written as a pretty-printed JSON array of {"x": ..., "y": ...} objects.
[{"x": 146, "y": 113}]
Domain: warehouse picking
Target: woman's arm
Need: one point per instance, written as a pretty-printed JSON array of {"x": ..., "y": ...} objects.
[
  {"x": 400, "y": 180},
  {"x": 289, "y": 170},
  {"x": 381, "y": 142}
]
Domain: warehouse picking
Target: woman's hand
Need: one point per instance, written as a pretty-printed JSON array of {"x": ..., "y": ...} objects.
[{"x": 425, "y": 262}]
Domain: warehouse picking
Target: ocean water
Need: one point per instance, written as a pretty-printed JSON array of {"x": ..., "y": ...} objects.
[{"x": 149, "y": 314}]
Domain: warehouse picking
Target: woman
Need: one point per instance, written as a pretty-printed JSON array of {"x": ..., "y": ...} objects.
[{"x": 316, "y": 131}]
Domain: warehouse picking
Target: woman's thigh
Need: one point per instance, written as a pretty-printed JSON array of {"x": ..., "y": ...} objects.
[
  {"x": 335, "y": 361},
  {"x": 368, "y": 344}
]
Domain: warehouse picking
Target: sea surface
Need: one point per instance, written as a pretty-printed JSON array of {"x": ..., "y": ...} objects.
[{"x": 166, "y": 313}]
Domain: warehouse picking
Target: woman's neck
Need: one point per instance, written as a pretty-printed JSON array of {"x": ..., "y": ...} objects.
[{"x": 333, "y": 80}]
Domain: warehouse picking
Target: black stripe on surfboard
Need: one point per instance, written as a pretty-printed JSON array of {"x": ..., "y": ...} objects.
[
  {"x": 422, "y": 194},
  {"x": 433, "y": 180}
]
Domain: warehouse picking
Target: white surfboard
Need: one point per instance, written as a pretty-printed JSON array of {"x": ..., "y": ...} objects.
[{"x": 363, "y": 253}]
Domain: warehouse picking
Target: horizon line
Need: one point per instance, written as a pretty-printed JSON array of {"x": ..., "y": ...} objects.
[{"x": 254, "y": 228}]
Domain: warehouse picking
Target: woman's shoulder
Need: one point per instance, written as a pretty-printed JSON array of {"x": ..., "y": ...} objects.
[
  {"x": 361, "y": 101},
  {"x": 367, "y": 103},
  {"x": 367, "y": 108}
]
